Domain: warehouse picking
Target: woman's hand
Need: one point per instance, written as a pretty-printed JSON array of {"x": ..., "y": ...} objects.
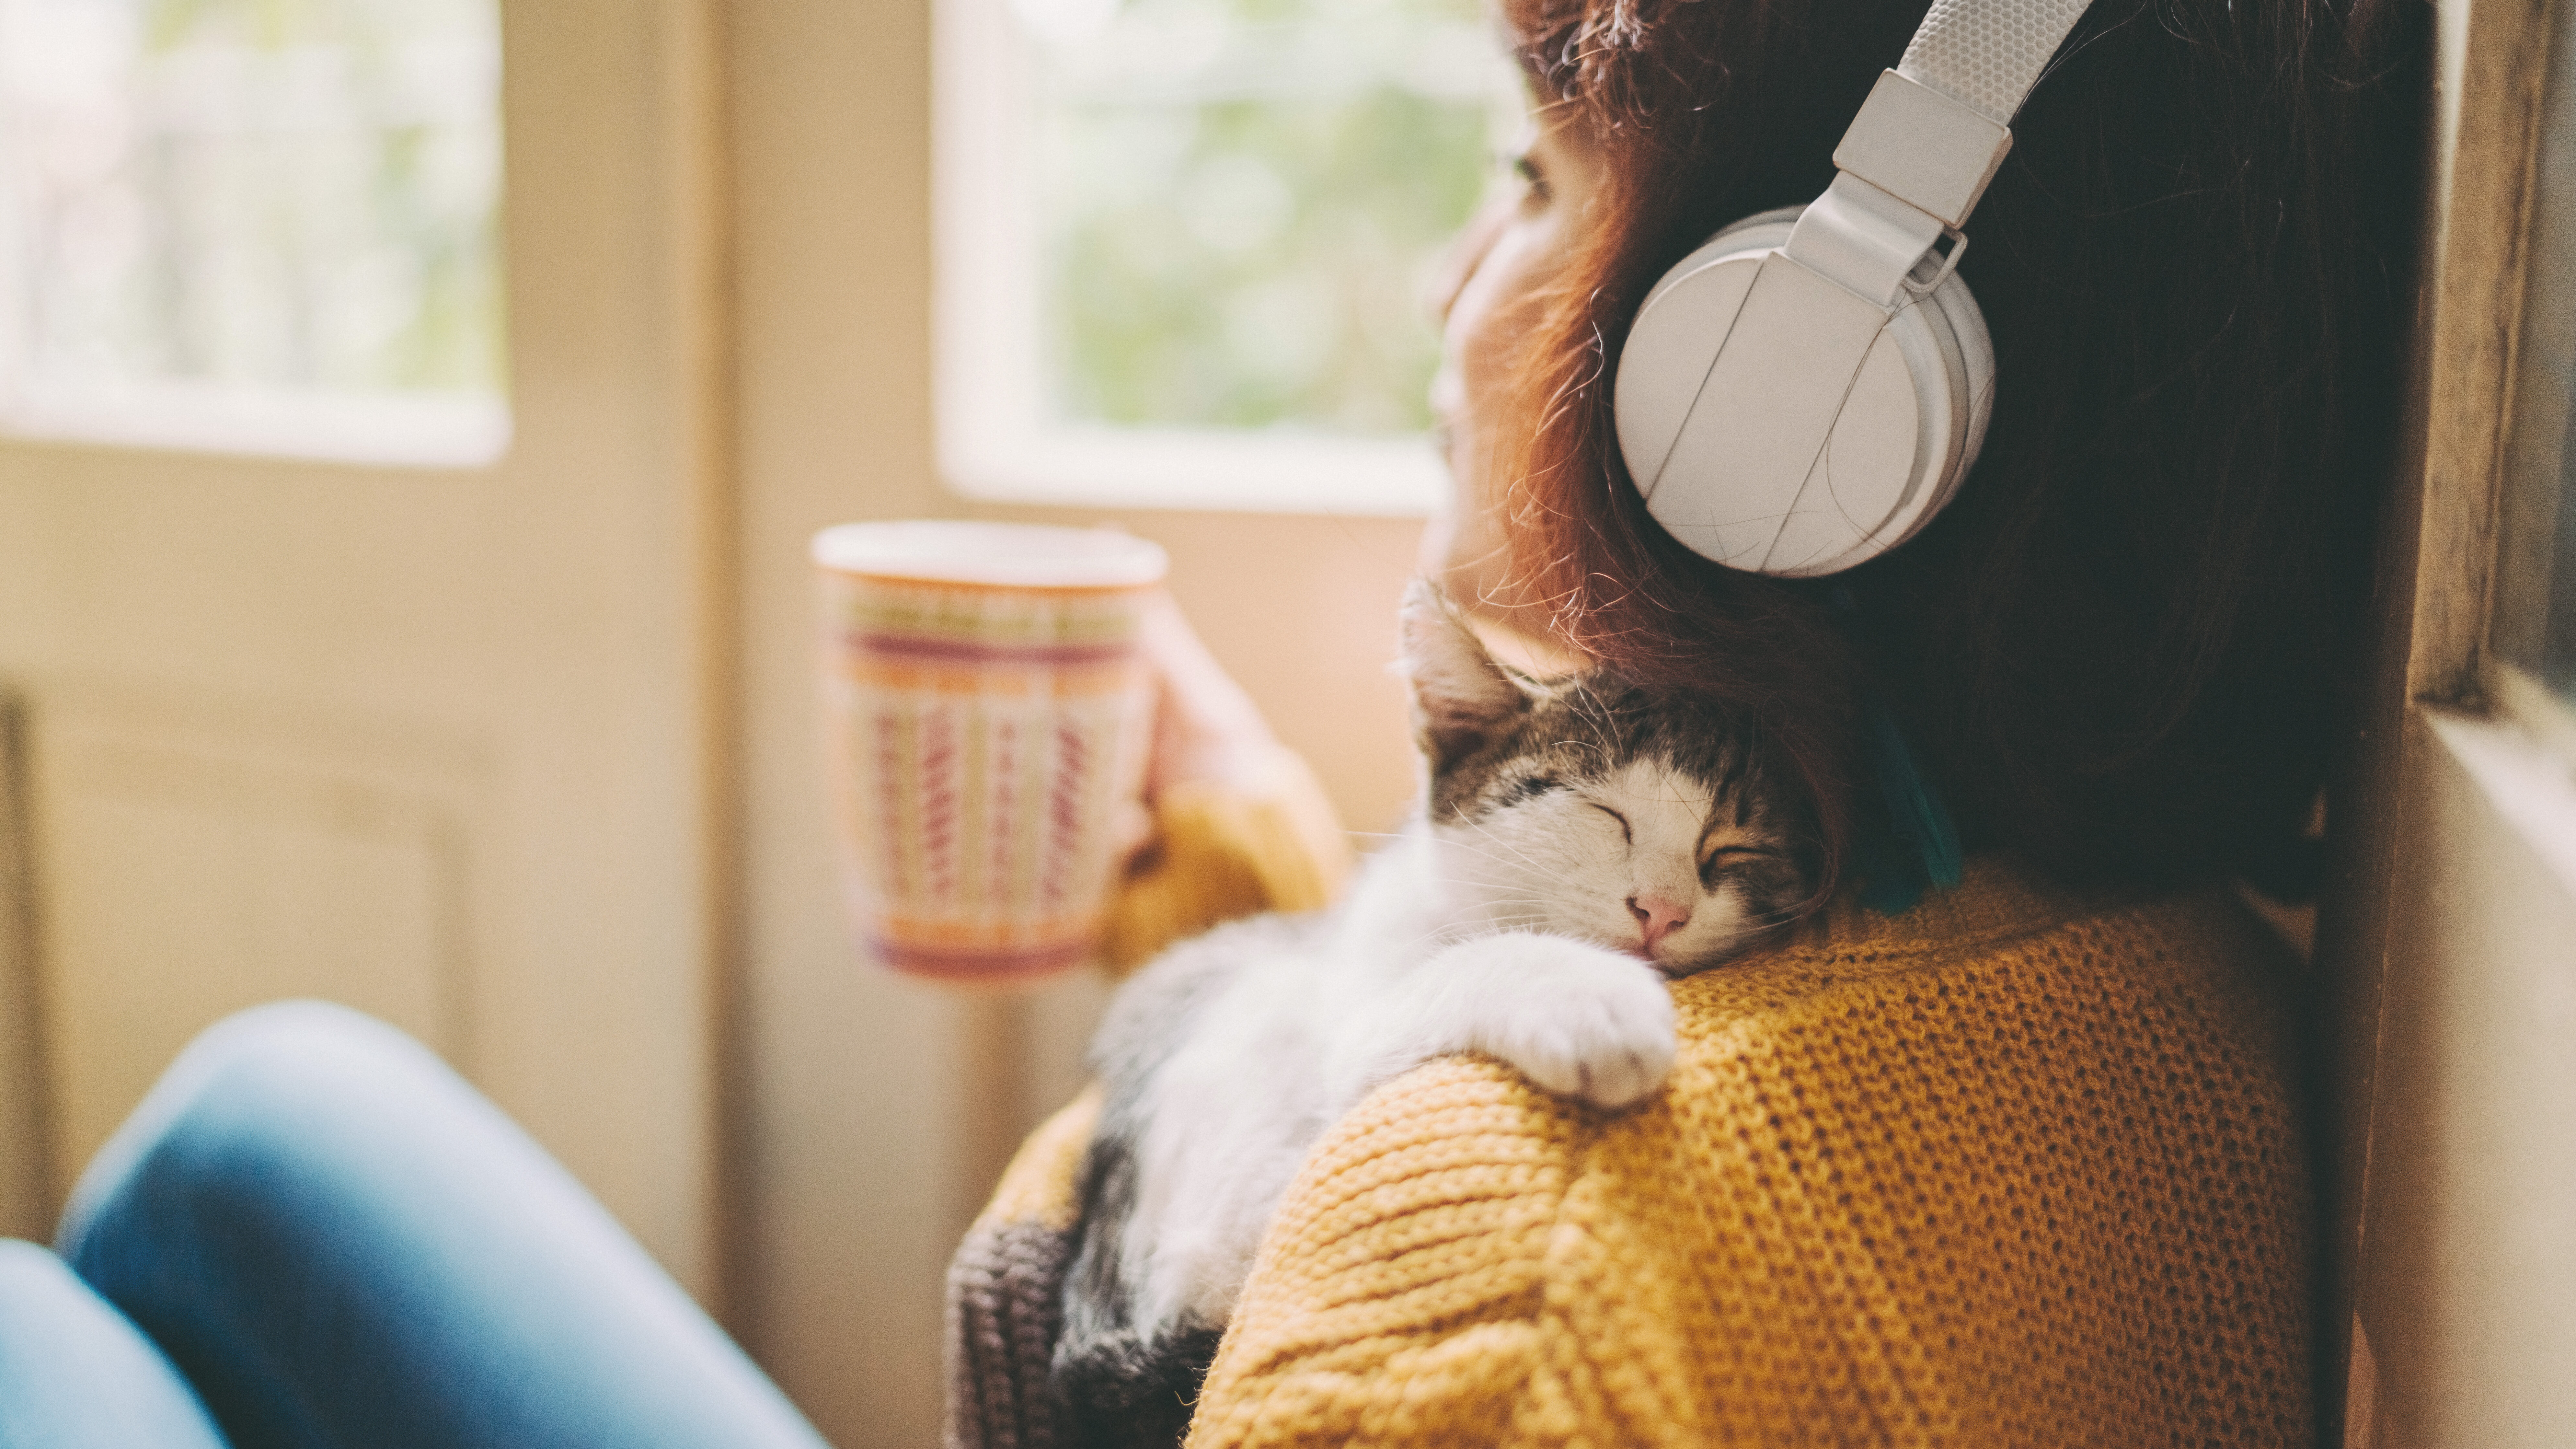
[{"x": 1206, "y": 729}]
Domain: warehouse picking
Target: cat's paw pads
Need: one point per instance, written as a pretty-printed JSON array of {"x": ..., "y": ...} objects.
[{"x": 1577, "y": 1020}]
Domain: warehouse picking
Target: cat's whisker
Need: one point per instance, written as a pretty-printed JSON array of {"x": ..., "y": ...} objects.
[
  {"x": 1499, "y": 901},
  {"x": 1507, "y": 902},
  {"x": 1469, "y": 847},
  {"x": 1501, "y": 872},
  {"x": 1537, "y": 911},
  {"x": 1522, "y": 856}
]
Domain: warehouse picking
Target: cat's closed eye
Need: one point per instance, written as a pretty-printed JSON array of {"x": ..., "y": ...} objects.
[
  {"x": 1721, "y": 858},
  {"x": 1625, "y": 833}
]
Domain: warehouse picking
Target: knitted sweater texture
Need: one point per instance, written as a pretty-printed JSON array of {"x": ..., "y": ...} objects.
[{"x": 2011, "y": 1169}]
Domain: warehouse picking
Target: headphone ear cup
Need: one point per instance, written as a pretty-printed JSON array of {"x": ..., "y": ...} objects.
[
  {"x": 1903, "y": 428},
  {"x": 1950, "y": 359},
  {"x": 1977, "y": 347}
]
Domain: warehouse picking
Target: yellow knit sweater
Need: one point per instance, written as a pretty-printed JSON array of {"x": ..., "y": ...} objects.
[{"x": 2012, "y": 1169}]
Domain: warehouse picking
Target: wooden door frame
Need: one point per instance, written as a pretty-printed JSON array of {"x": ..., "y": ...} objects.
[
  {"x": 602, "y": 943},
  {"x": 2418, "y": 779}
]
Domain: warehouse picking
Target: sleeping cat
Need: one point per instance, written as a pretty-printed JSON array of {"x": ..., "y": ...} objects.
[{"x": 1581, "y": 842}]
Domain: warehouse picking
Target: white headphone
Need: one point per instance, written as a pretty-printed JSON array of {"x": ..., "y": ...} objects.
[{"x": 1804, "y": 392}]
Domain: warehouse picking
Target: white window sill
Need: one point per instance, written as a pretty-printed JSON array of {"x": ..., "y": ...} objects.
[
  {"x": 2527, "y": 780},
  {"x": 1236, "y": 472},
  {"x": 401, "y": 430}
]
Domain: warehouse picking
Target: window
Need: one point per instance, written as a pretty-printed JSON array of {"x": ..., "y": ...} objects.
[
  {"x": 2533, "y": 671},
  {"x": 253, "y": 225},
  {"x": 1185, "y": 245}
]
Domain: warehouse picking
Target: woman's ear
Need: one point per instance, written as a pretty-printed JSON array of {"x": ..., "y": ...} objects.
[{"x": 1462, "y": 699}]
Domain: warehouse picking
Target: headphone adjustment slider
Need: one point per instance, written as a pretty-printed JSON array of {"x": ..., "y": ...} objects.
[
  {"x": 1918, "y": 144},
  {"x": 1867, "y": 240}
]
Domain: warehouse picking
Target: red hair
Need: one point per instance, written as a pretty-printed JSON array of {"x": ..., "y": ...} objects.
[{"x": 2120, "y": 650}]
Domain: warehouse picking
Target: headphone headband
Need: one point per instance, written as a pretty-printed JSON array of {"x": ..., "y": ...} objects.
[
  {"x": 1799, "y": 398},
  {"x": 1987, "y": 54}
]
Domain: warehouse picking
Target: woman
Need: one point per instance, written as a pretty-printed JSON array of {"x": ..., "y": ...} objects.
[
  {"x": 2019, "y": 1165},
  {"x": 2024, "y": 1163}
]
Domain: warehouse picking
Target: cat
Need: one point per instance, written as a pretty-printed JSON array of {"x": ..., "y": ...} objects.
[{"x": 1581, "y": 842}]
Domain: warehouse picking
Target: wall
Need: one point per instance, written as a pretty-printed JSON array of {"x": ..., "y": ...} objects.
[{"x": 871, "y": 1112}]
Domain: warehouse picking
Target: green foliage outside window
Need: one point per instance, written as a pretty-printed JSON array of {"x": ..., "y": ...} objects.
[
  {"x": 273, "y": 194},
  {"x": 1245, "y": 201}
]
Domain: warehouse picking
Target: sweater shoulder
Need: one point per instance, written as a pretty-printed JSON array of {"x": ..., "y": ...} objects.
[
  {"x": 1988, "y": 1182},
  {"x": 1396, "y": 1293}
]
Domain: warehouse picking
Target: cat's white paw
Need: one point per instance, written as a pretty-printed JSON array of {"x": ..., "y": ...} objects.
[{"x": 1577, "y": 1020}]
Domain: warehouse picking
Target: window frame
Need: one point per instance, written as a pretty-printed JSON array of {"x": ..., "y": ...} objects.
[
  {"x": 995, "y": 443},
  {"x": 364, "y": 426},
  {"x": 2497, "y": 578},
  {"x": 368, "y": 429},
  {"x": 2443, "y": 957}
]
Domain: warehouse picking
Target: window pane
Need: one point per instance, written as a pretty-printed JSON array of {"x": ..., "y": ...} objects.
[
  {"x": 1243, "y": 201},
  {"x": 253, "y": 200},
  {"x": 2535, "y": 622}
]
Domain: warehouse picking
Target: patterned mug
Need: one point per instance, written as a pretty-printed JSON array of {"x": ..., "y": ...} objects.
[{"x": 988, "y": 712}]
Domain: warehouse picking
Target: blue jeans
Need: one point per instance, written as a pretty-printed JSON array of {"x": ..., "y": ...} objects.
[{"x": 312, "y": 1233}]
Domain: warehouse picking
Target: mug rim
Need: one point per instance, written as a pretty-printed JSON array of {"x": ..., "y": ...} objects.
[{"x": 1086, "y": 560}]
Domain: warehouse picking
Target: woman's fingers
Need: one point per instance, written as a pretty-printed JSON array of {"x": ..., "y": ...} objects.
[
  {"x": 1206, "y": 728},
  {"x": 1133, "y": 834}
]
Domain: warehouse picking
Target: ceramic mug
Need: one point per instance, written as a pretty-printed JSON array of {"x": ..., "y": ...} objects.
[{"x": 988, "y": 711}]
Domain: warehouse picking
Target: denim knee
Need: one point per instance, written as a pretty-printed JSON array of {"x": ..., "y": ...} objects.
[
  {"x": 75, "y": 1373},
  {"x": 256, "y": 1072}
]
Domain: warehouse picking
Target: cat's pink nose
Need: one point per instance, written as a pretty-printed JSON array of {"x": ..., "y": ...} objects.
[{"x": 1656, "y": 918}]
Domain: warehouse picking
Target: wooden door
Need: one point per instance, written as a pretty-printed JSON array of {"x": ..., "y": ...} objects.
[{"x": 445, "y": 743}]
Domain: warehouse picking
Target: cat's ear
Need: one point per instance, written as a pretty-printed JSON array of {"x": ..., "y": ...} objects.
[{"x": 1462, "y": 699}]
